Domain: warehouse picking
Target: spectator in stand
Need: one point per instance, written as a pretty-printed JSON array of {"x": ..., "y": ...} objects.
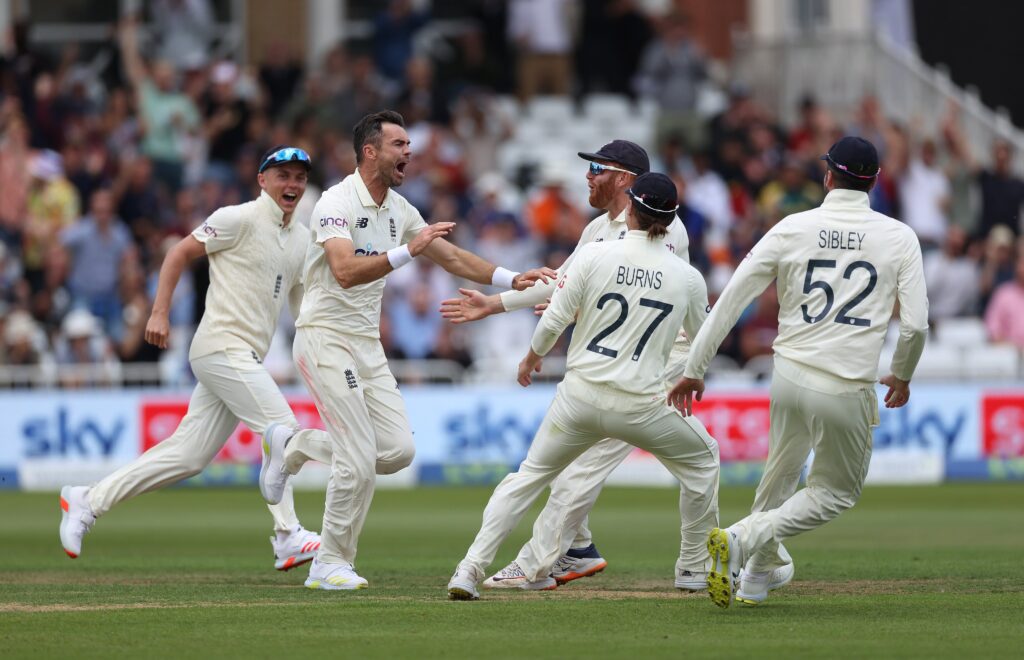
[
  {"x": 84, "y": 166},
  {"x": 671, "y": 72},
  {"x": 550, "y": 214},
  {"x": 953, "y": 279},
  {"x": 226, "y": 119},
  {"x": 415, "y": 323},
  {"x": 96, "y": 244},
  {"x": 611, "y": 70},
  {"x": 480, "y": 126},
  {"x": 394, "y": 29},
  {"x": 135, "y": 304},
  {"x": 997, "y": 264},
  {"x": 53, "y": 205},
  {"x": 367, "y": 91},
  {"x": 23, "y": 340},
  {"x": 15, "y": 178},
  {"x": 961, "y": 169},
  {"x": 790, "y": 193},
  {"x": 924, "y": 197},
  {"x": 1004, "y": 316},
  {"x": 541, "y": 32},
  {"x": 708, "y": 194},
  {"x": 183, "y": 29},
  {"x": 1002, "y": 192},
  {"x": 139, "y": 204},
  {"x": 81, "y": 344},
  {"x": 421, "y": 98},
  {"x": 168, "y": 117},
  {"x": 280, "y": 74}
]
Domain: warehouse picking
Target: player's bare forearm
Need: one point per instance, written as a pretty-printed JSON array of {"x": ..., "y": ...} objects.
[
  {"x": 353, "y": 271},
  {"x": 459, "y": 262},
  {"x": 530, "y": 364}
]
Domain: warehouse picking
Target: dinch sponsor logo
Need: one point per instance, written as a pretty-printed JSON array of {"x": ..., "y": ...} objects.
[
  {"x": 333, "y": 222},
  {"x": 208, "y": 230}
]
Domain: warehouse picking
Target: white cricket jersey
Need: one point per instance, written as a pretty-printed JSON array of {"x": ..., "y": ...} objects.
[
  {"x": 840, "y": 268},
  {"x": 255, "y": 261},
  {"x": 347, "y": 211},
  {"x": 629, "y": 299},
  {"x": 602, "y": 228}
]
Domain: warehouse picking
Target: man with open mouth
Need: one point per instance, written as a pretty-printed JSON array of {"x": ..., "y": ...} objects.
[
  {"x": 362, "y": 230},
  {"x": 256, "y": 255}
]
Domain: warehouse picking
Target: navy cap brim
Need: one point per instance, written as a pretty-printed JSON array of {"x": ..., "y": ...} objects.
[{"x": 593, "y": 157}]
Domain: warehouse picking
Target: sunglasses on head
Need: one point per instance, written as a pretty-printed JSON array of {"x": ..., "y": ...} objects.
[
  {"x": 597, "y": 168},
  {"x": 286, "y": 155}
]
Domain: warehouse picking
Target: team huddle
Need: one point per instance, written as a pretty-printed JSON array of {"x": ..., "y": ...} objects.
[{"x": 643, "y": 340}]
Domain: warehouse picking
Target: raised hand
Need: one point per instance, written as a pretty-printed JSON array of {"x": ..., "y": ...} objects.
[
  {"x": 472, "y": 306},
  {"x": 682, "y": 395},
  {"x": 427, "y": 235},
  {"x": 528, "y": 278}
]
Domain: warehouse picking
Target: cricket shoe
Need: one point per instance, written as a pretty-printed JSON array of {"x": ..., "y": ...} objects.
[
  {"x": 513, "y": 577},
  {"x": 76, "y": 518},
  {"x": 334, "y": 577},
  {"x": 296, "y": 549},
  {"x": 754, "y": 587},
  {"x": 727, "y": 559},
  {"x": 273, "y": 477},
  {"x": 462, "y": 586},
  {"x": 691, "y": 580},
  {"x": 578, "y": 563}
]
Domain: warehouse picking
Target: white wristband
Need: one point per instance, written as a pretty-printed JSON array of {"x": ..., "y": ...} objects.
[
  {"x": 503, "y": 277},
  {"x": 399, "y": 256}
]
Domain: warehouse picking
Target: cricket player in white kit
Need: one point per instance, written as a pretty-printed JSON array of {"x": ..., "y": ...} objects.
[
  {"x": 629, "y": 299},
  {"x": 256, "y": 257},
  {"x": 613, "y": 169},
  {"x": 362, "y": 230},
  {"x": 839, "y": 270}
]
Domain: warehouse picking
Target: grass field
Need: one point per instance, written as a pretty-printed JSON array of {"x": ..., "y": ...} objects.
[{"x": 910, "y": 572}]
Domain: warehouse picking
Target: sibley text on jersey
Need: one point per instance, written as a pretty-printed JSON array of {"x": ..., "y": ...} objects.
[
  {"x": 840, "y": 240},
  {"x": 649, "y": 279}
]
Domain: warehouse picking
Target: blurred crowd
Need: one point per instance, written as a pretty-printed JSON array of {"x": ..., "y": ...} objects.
[{"x": 102, "y": 170}]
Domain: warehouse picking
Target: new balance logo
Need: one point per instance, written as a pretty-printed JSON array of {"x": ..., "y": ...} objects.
[
  {"x": 350, "y": 379},
  {"x": 622, "y": 234},
  {"x": 277, "y": 287},
  {"x": 362, "y": 223}
]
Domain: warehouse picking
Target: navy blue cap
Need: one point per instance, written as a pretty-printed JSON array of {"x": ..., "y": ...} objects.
[
  {"x": 654, "y": 194},
  {"x": 629, "y": 155},
  {"x": 855, "y": 157}
]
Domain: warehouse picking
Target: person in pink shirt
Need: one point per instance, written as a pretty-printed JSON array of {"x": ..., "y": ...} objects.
[{"x": 1004, "y": 317}]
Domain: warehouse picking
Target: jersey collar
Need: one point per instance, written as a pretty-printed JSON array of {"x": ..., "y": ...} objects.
[
  {"x": 844, "y": 197},
  {"x": 619, "y": 218},
  {"x": 365, "y": 198},
  {"x": 272, "y": 209}
]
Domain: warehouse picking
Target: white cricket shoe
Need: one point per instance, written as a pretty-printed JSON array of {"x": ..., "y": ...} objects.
[
  {"x": 296, "y": 549},
  {"x": 462, "y": 586},
  {"x": 568, "y": 568},
  {"x": 727, "y": 560},
  {"x": 334, "y": 577},
  {"x": 76, "y": 518},
  {"x": 691, "y": 580},
  {"x": 513, "y": 577},
  {"x": 754, "y": 587},
  {"x": 273, "y": 477}
]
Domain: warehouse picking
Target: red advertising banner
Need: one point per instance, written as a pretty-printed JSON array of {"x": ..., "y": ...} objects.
[
  {"x": 1002, "y": 425},
  {"x": 160, "y": 417},
  {"x": 739, "y": 423}
]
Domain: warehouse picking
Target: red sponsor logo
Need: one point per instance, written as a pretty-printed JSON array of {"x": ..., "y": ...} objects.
[
  {"x": 1002, "y": 421},
  {"x": 161, "y": 417}
]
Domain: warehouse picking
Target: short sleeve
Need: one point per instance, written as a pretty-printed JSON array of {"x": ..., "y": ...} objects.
[
  {"x": 330, "y": 220},
  {"x": 221, "y": 230},
  {"x": 414, "y": 222}
]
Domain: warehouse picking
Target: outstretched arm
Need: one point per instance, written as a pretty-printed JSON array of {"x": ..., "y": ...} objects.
[
  {"x": 350, "y": 270},
  {"x": 463, "y": 263}
]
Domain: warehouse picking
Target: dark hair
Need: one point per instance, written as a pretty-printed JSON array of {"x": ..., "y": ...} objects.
[
  {"x": 847, "y": 182},
  {"x": 655, "y": 226},
  {"x": 369, "y": 130},
  {"x": 268, "y": 152}
]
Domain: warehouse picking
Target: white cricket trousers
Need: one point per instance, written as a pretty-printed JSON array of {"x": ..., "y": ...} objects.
[
  {"x": 359, "y": 402},
  {"x": 580, "y": 416},
  {"x": 233, "y": 386},
  {"x": 808, "y": 413},
  {"x": 577, "y": 488}
]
